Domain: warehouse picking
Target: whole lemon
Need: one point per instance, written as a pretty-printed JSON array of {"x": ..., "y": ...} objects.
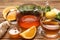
[{"x": 50, "y": 14}]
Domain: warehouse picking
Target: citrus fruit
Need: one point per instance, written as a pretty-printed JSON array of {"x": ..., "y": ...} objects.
[
  {"x": 7, "y": 10},
  {"x": 29, "y": 33},
  {"x": 11, "y": 16},
  {"x": 50, "y": 15}
]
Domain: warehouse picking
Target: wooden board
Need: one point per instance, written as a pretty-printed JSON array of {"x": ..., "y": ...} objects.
[{"x": 5, "y": 3}]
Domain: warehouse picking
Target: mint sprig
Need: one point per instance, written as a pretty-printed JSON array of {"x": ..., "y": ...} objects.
[{"x": 58, "y": 16}]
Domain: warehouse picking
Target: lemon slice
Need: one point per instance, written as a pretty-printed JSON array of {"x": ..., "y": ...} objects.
[
  {"x": 7, "y": 9},
  {"x": 11, "y": 16},
  {"x": 29, "y": 33}
]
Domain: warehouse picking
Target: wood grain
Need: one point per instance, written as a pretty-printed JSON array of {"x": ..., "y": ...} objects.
[{"x": 5, "y": 3}]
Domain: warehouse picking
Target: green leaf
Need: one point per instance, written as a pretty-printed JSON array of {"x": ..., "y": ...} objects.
[
  {"x": 39, "y": 8},
  {"x": 27, "y": 7},
  {"x": 58, "y": 16},
  {"x": 47, "y": 8}
]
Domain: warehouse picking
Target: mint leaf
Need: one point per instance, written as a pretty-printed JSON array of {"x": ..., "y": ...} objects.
[{"x": 58, "y": 16}]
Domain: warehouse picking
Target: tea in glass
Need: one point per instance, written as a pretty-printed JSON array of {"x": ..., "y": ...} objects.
[
  {"x": 29, "y": 16},
  {"x": 50, "y": 28}
]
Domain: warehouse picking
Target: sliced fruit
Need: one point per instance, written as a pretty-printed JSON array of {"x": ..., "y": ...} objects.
[
  {"x": 6, "y": 10},
  {"x": 51, "y": 22},
  {"x": 11, "y": 16},
  {"x": 50, "y": 15},
  {"x": 29, "y": 33},
  {"x": 47, "y": 20}
]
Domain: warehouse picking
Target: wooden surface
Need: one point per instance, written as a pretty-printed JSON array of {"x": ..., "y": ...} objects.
[{"x": 5, "y": 3}]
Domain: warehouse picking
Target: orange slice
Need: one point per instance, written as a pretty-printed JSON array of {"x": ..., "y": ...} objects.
[
  {"x": 29, "y": 33},
  {"x": 6, "y": 10}
]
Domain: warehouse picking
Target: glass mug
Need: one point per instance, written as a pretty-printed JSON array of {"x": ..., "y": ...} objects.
[
  {"x": 50, "y": 28},
  {"x": 28, "y": 16}
]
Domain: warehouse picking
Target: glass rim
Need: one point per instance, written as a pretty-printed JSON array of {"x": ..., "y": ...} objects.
[{"x": 41, "y": 21}]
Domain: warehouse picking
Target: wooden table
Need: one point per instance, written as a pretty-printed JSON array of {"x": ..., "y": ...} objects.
[{"x": 5, "y": 3}]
